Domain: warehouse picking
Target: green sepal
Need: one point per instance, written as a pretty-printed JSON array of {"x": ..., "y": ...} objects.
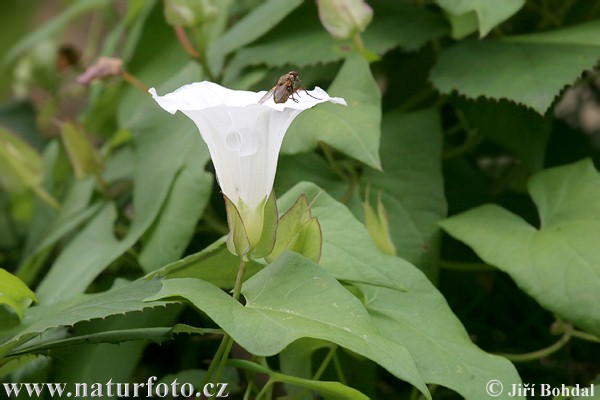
[
  {"x": 15, "y": 297},
  {"x": 265, "y": 245},
  {"x": 309, "y": 240},
  {"x": 378, "y": 226},
  {"x": 237, "y": 238},
  {"x": 299, "y": 232}
]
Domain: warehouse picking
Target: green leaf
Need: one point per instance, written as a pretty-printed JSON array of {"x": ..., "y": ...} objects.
[
  {"x": 215, "y": 264},
  {"x": 531, "y": 74},
  {"x": 258, "y": 22},
  {"x": 15, "y": 297},
  {"x": 489, "y": 13},
  {"x": 39, "y": 319},
  {"x": 398, "y": 297},
  {"x": 394, "y": 25},
  {"x": 463, "y": 25},
  {"x": 332, "y": 390},
  {"x": 176, "y": 223},
  {"x": 585, "y": 34},
  {"x": 290, "y": 299},
  {"x": 412, "y": 185},
  {"x": 71, "y": 273},
  {"x": 354, "y": 130},
  {"x": 557, "y": 264},
  {"x": 509, "y": 70}
]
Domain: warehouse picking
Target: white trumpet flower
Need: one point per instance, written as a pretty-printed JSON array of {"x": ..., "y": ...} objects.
[{"x": 243, "y": 138}]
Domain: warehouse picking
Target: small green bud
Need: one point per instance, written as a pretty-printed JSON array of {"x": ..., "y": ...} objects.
[
  {"x": 378, "y": 227},
  {"x": 344, "y": 18},
  {"x": 188, "y": 13}
]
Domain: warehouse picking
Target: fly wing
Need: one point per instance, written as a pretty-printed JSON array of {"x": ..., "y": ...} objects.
[
  {"x": 281, "y": 93},
  {"x": 267, "y": 95}
]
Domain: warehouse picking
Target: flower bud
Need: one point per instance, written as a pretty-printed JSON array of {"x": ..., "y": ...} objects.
[
  {"x": 189, "y": 13},
  {"x": 84, "y": 157},
  {"x": 378, "y": 226},
  {"x": 344, "y": 18}
]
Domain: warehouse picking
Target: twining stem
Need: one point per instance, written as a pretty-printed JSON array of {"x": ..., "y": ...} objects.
[
  {"x": 536, "y": 355},
  {"x": 222, "y": 354}
]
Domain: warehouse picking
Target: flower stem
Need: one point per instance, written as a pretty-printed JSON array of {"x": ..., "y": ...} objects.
[
  {"x": 222, "y": 354},
  {"x": 135, "y": 82},
  {"x": 185, "y": 43}
]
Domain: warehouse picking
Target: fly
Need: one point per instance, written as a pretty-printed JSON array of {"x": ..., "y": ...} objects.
[{"x": 285, "y": 88}]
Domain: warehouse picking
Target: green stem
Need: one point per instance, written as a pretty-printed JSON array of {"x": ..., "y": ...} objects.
[
  {"x": 266, "y": 389},
  {"x": 358, "y": 43},
  {"x": 330, "y": 355},
  {"x": 135, "y": 82},
  {"x": 339, "y": 370},
  {"x": 325, "y": 363},
  {"x": 585, "y": 336},
  {"x": 536, "y": 355},
  {"x": 185, "y": 43},
  {"x": 222, "y": 354}
]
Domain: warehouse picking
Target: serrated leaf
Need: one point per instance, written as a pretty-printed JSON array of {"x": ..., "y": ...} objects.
[
  {"x": 354, "y": 129},
  {"x": 531, "y": 74},
  {"x": 402, "y": 302},
  {"x": 290, "y": 299},
  {"x": 557, "y": 264},
  {"x": 490, "y": 13},
  {"x": 120, "y": 300}
]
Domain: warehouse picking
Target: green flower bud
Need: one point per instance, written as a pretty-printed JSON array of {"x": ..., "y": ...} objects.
[
  {"x": 189, "y": 13},
  {"x": 344, "y": 18}
]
